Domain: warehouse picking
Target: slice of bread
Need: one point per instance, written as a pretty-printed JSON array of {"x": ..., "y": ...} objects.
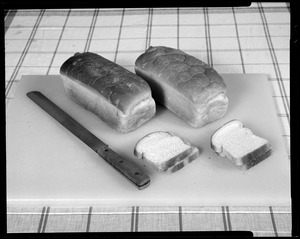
[
  {"x": 240, "y": 145},
  {"x": 165, "y": 151}
]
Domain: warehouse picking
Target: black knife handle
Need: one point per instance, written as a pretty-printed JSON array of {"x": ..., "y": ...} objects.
[{"x": 128, "y": 169}]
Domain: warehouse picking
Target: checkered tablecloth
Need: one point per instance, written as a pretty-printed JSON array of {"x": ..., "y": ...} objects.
[{"x": 251, "y": 39}]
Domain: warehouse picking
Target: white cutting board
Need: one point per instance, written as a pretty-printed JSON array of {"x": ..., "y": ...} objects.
[{"x": 46, "y": 164}]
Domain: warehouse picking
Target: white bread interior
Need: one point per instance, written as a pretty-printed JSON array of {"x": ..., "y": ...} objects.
[
  {"x": 90, "y": 99},
  {"x": 240, "y": 145},
  {"x": 164, "y": 150}
]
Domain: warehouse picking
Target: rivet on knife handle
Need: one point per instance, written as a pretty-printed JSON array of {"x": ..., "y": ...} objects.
[{"x": 128, "y": 169}]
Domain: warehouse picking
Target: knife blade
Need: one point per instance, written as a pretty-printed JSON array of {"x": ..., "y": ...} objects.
[{"x": 127, "y": 168}]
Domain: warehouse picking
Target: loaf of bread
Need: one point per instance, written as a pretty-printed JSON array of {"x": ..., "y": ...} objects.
[
  {"x": 184, "y": 84},
  {"x": 240, "y": 145},
  {"x": 117, "y": 96},
  {"x": 165, "y": 151}
]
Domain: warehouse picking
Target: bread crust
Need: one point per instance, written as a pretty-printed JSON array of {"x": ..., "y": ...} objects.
[
  {"x": 118, "y": 85},
  {"x": 179, "y": 165},
  {"x": 259, "y": 158},
  {"x": 184, "y": 84},
  {"x": 118, "y": 97}
]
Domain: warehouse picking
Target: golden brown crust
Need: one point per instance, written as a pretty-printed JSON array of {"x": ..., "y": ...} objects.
[
  {"x": 188, "y": 87},
  {"x": 185, "y": 73},
  {"x": 119, "y": 86}
]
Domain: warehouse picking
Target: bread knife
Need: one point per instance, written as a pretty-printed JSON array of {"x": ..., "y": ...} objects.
[{"x": 128, "y": 169}]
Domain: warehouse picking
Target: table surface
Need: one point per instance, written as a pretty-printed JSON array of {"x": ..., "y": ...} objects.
[{"x": 251, "y": 39}]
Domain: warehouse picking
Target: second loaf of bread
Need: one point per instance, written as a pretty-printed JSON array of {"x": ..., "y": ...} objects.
[
  {"x": 118, "y": 97},
  {"x": 184, "y": 84}
]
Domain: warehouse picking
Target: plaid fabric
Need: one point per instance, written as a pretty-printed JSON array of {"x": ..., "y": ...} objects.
[
  {"x": 233, "y": 40},
  {"x": 262, "y": 221}
]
